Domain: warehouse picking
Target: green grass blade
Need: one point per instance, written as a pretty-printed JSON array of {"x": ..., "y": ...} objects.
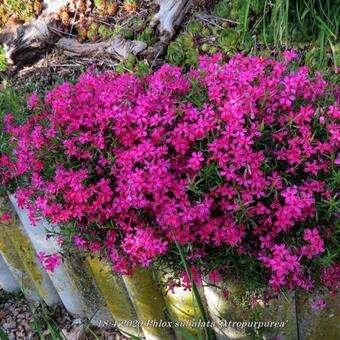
[
  {"x": 134, "y": 337},
  {"x": 3, "y": 335},
  {"x": 198, "y": 299},
  {"x": 245, "y": 19}
]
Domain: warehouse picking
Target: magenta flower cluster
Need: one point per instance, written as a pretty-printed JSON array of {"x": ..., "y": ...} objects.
[
  {"x": 229, "y": 157},
  {"x": 50, "y": 262}
]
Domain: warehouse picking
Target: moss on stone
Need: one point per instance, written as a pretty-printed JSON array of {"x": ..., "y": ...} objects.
[
  {"x": 81, "y": 275},
  {"x": 16, "y": 266},
  {"x": 317, "y": 324}
]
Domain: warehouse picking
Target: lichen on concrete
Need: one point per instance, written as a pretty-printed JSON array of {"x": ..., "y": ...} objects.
[
  {"x": 115, "y": 294},
  {"x": 148, "y": 301}
]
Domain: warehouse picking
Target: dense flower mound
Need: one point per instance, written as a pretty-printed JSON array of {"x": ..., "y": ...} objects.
[{"x": 235, "y": 160}]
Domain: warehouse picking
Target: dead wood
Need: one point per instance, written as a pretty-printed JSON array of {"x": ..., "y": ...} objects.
[
  {"x": 25, "y": 43},
  {"x": 170, "y": 14},
  {"x": 29, "y": 41},
  {"x": 116, "y": 47}
]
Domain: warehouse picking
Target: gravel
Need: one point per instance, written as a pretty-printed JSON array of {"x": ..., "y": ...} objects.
[{"x": 17, "y": 321}]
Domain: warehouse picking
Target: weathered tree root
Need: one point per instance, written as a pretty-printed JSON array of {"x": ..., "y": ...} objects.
[
  {"x": 31, "y": 40},
  {"x": 26, "y": 43},
  {"x": 170, "y": 14},
  {"x": 116, "y": 47}
]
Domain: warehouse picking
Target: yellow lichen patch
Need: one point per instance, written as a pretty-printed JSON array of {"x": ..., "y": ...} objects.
[
  {"x": 16, "y": 266},
  {"x": 149, "y": 303},
  {"x": 115, "y": 294},
  {"x": 183, "y": 310},
  {"x": 7, "y": 249},
  {"x": 83, "y": 282},
  {"x": 26, "y": 252}
]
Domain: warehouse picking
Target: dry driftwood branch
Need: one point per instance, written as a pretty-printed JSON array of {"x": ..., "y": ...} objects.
[
  {"x": 25, "y": 43},
  {"x": 170, "y": 14},
  {"x": 116, "y": 47},
  {"x": 31, "y": 40}
]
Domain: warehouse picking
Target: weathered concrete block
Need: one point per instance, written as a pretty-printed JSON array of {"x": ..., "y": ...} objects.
[
  {"x": 15, "y": 265},
  {"x": 62, "y": 281},
  {"x": 7, "y": 281},
  {"x": 18, "y": 240},
  {"x": 183, "y": 309},
  {"x": 115, "y": 295},
  {"x": 316, "y": 324},
  {"x": 149, "y": 304},
  {"x": 275, "y": 320}
]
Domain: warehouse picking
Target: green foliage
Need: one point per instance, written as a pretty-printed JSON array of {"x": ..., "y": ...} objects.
[
  {"x": 284, "y": 22},
  {"x": 11, "y": 102},
  {"x": 147, "y": 36},
  {"x": 127, "y": 65},
  {"x": 206, "y": 32},
  {"x": 231, "y": 9},
  {"x": 126, "y": 33},
  {"x": 207, "y": 48},
  {"x": 92, "y": 32},
  {"x": 130, "y": 5},
  {"x": 100, "y": 4},
  {"x": 138, "y": 24},
  {"x": 4, "y": 296},
  {"x": 4, "y": 15},
  {"x": 104, "y": 31},
  {"x": 336, "y": 55},
  {"x": 42, "y": 320},
  {"x": 143, "y": 68},
  {"x": 222, "y": 9},
  {"x": 275, "y": 25},
  {"x": 194, "y": 26},
  {"x": 176, "y": 53},
  {"x": 196, "y": 295},
  {"x": 227, "y": 41},
  {"x": 3, "y": 335},
  {"x": 182, "y": 51},
  {"x": 3, "y": 63},
  {"x": 106, "y": 7},
  {"x": 22, "y": 9},
  {"x": 198, "y": 94}
]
